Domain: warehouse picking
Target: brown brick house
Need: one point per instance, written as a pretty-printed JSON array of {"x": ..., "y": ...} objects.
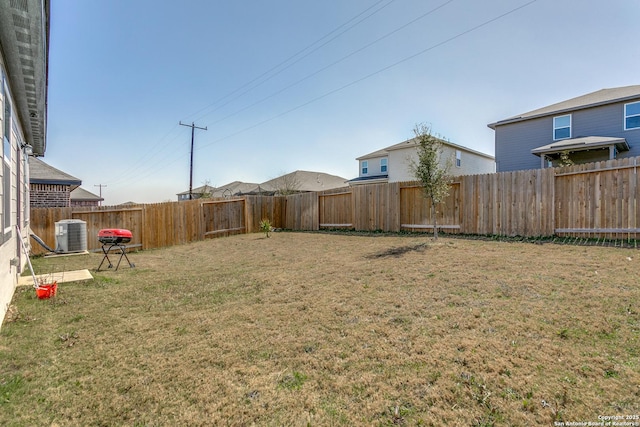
[
  {"x": 50, "y": 187},
  {"x": 82, "y": 197}
]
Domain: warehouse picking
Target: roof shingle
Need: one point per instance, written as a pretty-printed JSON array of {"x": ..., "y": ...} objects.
[{"x": 593, "y": 99}]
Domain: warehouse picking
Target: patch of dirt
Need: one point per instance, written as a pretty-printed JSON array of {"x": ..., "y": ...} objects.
[{"x": 398, "y": 252}]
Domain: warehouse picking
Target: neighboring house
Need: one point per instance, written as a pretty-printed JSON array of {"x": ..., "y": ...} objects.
[
  {"x": 393, "y": 164},
  {"x": 234, "y": 188},
  {"x": 299, "y": 182},
  {"x": 82, "y": 197},
  {"x": 203, "y": 191},
  {"x": 50, "y": 187},
  {"x": 597, "y": 126},
  {"x": 294, "y": 182},
  {"x": 24, "y": 34}
]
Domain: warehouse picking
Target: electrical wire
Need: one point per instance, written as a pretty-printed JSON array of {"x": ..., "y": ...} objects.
[
  {"x": 134, "y": 170},
  {"x": 368, "y": 76},
  {"x": 200, "y": 146},
  {"x": 332, "y": 64},
  {"x": 273, "y": 69}
]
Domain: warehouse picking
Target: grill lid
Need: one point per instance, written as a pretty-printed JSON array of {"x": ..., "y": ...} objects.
[{"x": 114, "y": 235}]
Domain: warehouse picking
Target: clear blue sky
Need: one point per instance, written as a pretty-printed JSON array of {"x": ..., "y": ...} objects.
[{"x": 288, "y": 84}]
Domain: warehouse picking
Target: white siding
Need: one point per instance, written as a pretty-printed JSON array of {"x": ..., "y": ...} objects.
[
  {"x": 471, "y": 163},
  {"x": 373, "y": 166}
]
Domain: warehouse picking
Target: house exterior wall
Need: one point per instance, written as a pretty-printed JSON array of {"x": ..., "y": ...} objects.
[
  {"x": 373, "y": 166},
  {"x": 470, "y": 163},
  {"x": 514, "y": 141},
  {"x": 51, "y": 196},
  {"x": 85, "y": 203},
  {"x": 14, "y": 194}
]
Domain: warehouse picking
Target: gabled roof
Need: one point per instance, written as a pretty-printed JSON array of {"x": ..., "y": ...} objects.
[
  {"x": 199, "y": 190},
  {"x": 413, "y": 142},
  {"x": 230, "y": 189},
  {"x": 42, "y": 173},
  {"x": 80, "y": 194},
  {"x": 302, "y": 181},
  {"x": 234, "y": 188},
  {"x": 593, "y": 99},
  {"x": 378, "y": 153}
]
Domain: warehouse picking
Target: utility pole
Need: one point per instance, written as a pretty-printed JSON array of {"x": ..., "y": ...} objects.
[
  {"x": 193, "y": 129},
  {"x": 100, "y": 185}
]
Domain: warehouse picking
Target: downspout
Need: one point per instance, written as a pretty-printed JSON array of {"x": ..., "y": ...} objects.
[{"x": 19, "y": 158}]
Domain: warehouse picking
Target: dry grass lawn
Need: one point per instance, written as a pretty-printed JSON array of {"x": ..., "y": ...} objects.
[{"x": 321, "y": 329}]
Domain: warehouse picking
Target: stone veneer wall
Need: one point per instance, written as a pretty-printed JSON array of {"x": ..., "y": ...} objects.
[{"x": 50, "y": 195}]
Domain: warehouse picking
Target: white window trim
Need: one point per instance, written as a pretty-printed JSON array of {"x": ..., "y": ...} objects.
[
  {"x": 364, "y": 165},
  {"x": 555, "y": 128},
  {"x": 384, "y": 162},
  {"x": 626, "y": 116},
  {"x": 458, "y": 158}
]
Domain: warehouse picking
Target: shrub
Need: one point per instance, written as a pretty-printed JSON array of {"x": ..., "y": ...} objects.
[{"x": 265, "y": 226}]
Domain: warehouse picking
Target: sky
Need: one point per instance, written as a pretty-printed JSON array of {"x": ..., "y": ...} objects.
[{"x": 289, "y": 85}]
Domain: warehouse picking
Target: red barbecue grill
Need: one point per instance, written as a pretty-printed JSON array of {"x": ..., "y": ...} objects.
[{"x": 114, "y": 238}]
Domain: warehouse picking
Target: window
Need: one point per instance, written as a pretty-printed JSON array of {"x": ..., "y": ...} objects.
[
  {"x": 383, "y": 165},
  {"x": 458, "y": 158},
  {"x": 365, "y": 167},
  {"x": 632, "y": 116},
  {"x": 562, "y": 127}
]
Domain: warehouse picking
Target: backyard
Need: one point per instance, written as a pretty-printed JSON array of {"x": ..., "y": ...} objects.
[{"x": 330, "y": 329}]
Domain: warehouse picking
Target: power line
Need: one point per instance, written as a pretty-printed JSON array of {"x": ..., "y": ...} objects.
[
  {"x": 134, "y": 171},
  {"x": 142, "y": 162},
  {"x": 354, "y": 82},
  {"x": 381, "y": 70},
  {"x": 281, "y": 64},
  {"x": 326, "y": 67}
]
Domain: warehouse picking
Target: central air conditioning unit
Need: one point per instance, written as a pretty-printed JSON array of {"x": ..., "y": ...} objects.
[{"x": 71, "y": 236}]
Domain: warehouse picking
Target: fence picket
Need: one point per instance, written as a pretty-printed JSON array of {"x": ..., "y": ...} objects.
[{"x": 592, "y": 200}]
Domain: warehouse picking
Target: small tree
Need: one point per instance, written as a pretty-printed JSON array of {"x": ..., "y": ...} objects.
[
  {"x": 206, "y": 191},
  {"x": 265, "y": 226},
  {"x": 287, "y": 184},
  {"x": 564, "y": 159},
  {"x": 428, "y": 169}
]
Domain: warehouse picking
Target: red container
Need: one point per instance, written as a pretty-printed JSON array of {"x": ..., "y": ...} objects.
[
  {"x": 114, "y": 235},
  {"x": 47, "y": 291}
]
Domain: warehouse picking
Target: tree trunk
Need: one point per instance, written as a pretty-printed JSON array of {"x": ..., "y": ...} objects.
[{"x": 435, "y": 221}]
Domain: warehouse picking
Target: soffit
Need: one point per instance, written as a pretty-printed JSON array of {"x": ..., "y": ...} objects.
[{"x": 24, "y": 34}]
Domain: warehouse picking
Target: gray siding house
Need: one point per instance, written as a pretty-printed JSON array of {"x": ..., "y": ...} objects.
[{"x": 597, "y": 126}]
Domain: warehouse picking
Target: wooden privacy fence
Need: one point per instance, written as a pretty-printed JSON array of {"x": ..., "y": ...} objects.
[
  {"x": 598, "y": 200},
  {"x": 152, "y": 225},
  {"x": 591, "y": 200}
]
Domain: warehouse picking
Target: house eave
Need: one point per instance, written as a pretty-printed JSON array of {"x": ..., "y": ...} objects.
[
  {"x": 581, "y": 144},
  {"x": 412, "y": 143},
  {"x": 523, "y": 118},
  {"x": 24, "y": 42},
  {"x": 72, "y": 183},
  {"x": 375, "y": 179}
]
